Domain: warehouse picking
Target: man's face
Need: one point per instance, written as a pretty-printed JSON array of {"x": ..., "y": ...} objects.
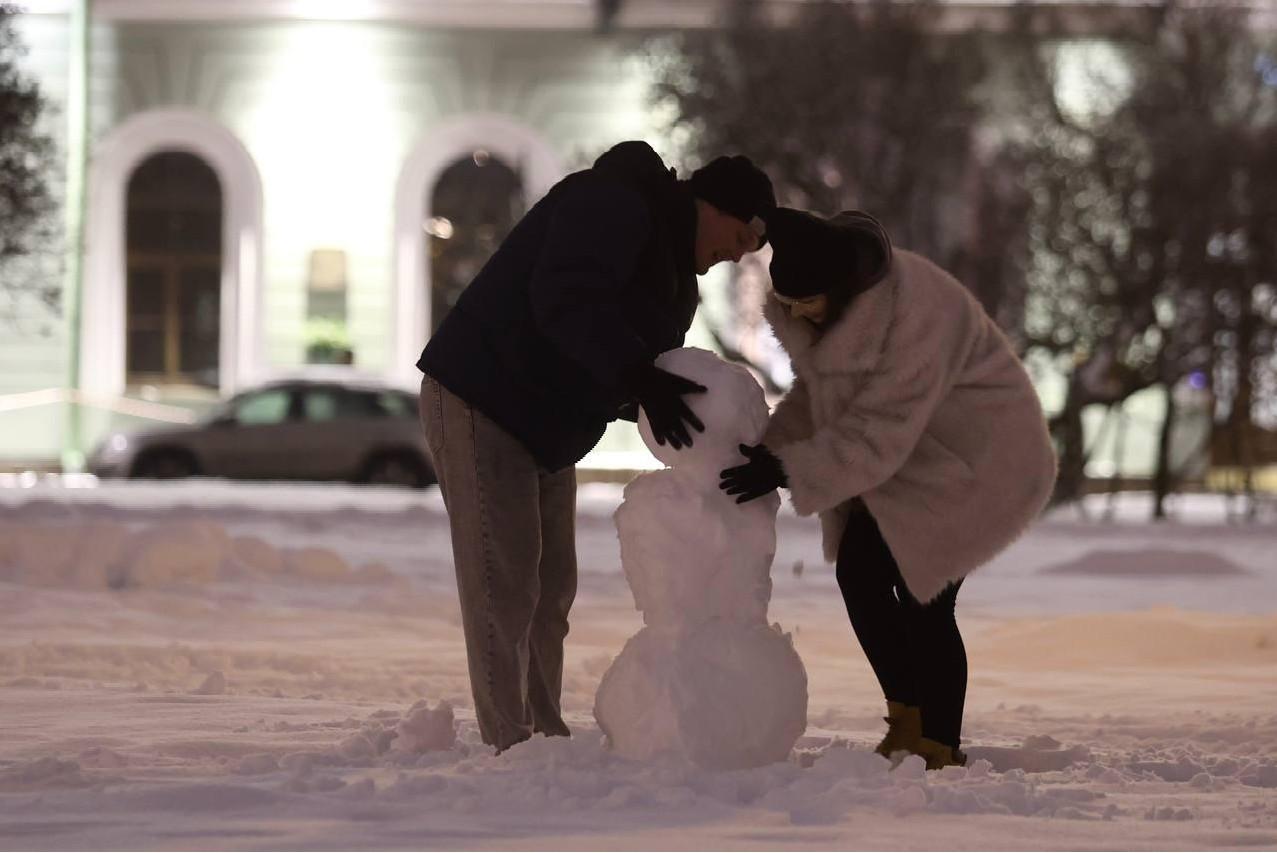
[{"x": 720, "y": 237}]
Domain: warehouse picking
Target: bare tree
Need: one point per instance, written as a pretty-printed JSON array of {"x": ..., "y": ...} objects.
[
  {"x": 1131, "y": 241},
  {"x": 1090, "y": 287},
  {"x": 27, "y": 210},
  {"x": 861, "y": 105},
  {"x": 1152, "y": 231}
]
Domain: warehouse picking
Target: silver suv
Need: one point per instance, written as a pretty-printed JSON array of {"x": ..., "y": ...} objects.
[{"x": 295, "y": 429}]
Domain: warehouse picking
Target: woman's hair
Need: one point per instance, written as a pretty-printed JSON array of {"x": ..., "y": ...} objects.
[
  {"x": 836, "y": 302},
  {"x": 866, "y": 247}
]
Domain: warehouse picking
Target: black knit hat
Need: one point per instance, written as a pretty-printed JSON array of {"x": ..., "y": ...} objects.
[
  {"x": 738, "y": 188},
  {"x": 812, "y": 255}
]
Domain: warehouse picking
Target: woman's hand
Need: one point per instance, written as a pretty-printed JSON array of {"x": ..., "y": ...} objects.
[{"x": 761, "y": 475}]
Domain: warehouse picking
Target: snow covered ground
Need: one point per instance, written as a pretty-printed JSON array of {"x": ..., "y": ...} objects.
[{"x": 210, "y": 665}]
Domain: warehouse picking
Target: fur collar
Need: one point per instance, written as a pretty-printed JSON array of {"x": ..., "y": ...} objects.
[{"x": 854, "y": 344}]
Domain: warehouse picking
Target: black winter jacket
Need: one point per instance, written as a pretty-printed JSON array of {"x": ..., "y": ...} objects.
[{"x": 598, "y": 277}]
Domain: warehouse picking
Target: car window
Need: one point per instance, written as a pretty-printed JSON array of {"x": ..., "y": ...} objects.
[
  {"x": 267, "y": 407},
  {"x": 396, "y": 405},
  {"x": 326, "y": 404},
  {"x": 363, "y": 404}
]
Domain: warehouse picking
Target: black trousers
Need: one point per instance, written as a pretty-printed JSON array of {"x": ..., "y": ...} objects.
[{"x": 914, "y": 648}]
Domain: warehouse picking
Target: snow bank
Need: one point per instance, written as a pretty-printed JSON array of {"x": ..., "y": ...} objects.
[
  {"x": 97, "y": 555},
  {"x": 1152, "y": 639},
  {"x": 1148, "y": 562}
]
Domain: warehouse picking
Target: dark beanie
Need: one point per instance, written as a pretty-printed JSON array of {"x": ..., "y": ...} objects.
[
  {"x": 738, "y": 188},
  {"x": 811, "y": 255}
]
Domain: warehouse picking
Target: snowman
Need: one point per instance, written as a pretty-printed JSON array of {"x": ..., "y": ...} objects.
[{"x": 707, "y": 678}]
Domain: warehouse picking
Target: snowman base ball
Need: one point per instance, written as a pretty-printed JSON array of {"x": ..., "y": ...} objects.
[{"x": 724, "y": 697}]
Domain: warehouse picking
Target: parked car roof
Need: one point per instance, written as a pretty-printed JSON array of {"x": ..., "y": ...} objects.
[{"x": 325, "y": 375}]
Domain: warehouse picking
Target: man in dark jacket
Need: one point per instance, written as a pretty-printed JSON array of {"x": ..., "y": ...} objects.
[{"x": 553, "y": 339}]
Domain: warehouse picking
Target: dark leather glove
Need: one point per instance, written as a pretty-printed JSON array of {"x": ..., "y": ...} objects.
[
  {"x": 660, "y": 393},
  {"x": 761, "y": 475}
]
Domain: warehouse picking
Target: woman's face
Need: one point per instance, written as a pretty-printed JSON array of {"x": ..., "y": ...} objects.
[{"x": 813, "y": 308}]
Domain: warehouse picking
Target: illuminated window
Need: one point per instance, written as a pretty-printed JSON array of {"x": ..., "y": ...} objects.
[
  {"x": 474, "y": 205},
  {"x": 174, "y": 268}
]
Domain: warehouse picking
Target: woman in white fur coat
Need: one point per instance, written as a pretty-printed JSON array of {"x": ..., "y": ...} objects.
[{"x": 914, "y": 432}]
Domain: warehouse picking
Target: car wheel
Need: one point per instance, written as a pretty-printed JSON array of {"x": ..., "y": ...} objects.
[
  {"x": 165, "y": 465},
  {"x": 397, "y": 469}
]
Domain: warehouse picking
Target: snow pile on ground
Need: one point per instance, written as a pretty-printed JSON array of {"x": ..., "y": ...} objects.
[
  {"x": 266, "y": 709},
  {"x": 1148, "y": 562},
  {"x": 361, "y": 770},
  {"x": 383, "y": 739},
  {"x": 823, "y": 785},
  {"x": 426, "y": 729},
  {"x": 107, "y": 555},
  {"x": 707, "y": 677},
  {"x": 1154, "y": 637}
]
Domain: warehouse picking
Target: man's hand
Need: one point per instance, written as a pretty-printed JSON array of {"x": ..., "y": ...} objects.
[
  {"x": 660, "y": 393},
  {"x": 761, "y": 475}
]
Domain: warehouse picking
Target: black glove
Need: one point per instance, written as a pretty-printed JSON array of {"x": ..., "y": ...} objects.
[
  {"x": 761, "y": 475},
  {"x": 660, "y": 393}
]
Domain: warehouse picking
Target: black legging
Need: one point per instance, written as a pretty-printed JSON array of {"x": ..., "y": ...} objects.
[{"x": 915, "y": 649}]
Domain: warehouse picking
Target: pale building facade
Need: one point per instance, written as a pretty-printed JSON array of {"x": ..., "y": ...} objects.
[
  {"x": 330, "y": 151},
  {"x": 277, "y": 182}
]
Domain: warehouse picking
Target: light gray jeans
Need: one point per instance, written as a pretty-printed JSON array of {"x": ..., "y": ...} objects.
[{"x": 514, "y": 548}]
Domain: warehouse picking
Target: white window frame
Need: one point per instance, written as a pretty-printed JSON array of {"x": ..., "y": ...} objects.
[
  {"x": 515, "y": 144},
  {"x": 103, "y": 316}
]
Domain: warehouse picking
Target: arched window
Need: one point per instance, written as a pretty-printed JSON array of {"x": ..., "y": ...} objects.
[
  {"x": 174, "y": 271},
  {"x": 474, "y": 205}
]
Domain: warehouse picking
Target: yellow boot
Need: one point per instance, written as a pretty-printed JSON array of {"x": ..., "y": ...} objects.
[
  {"x": 939, "y": 755},
  {"x": 904, "y": 730}
]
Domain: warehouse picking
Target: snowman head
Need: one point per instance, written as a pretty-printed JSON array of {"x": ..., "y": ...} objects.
[{"x": 733, "y": 410}]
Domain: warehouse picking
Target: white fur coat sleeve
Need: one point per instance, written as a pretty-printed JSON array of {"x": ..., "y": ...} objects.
[{"x": 880, "y": 413}]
